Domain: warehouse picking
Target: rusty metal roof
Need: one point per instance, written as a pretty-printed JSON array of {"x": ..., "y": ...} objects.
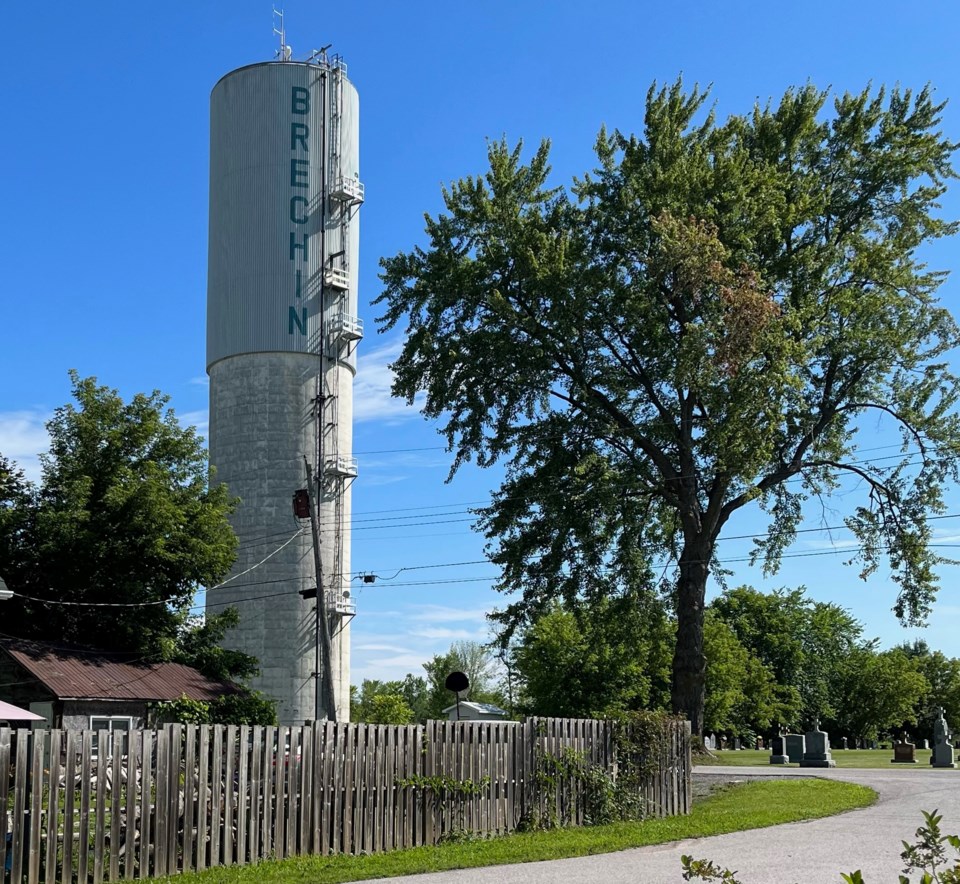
[{"x": 76, "y": 674}]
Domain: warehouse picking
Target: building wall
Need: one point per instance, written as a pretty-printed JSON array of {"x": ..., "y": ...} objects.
[{"x": 76, "y": 714}]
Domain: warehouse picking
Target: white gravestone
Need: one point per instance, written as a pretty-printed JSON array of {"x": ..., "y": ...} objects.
[
  {"x": 817, "y": 752},
  {"x": 942, "y": 747}
]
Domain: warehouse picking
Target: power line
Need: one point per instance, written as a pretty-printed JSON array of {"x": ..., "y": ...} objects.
[
  {"x": 293, "y": 537},
  {"x": 560, "y": 492}
]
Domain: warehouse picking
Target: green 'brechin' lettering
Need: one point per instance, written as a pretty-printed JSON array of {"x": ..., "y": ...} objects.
[{"x": 300, "y": 321}]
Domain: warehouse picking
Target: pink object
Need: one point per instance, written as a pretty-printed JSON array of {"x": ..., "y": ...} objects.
[{"x": 9, "y": 712}]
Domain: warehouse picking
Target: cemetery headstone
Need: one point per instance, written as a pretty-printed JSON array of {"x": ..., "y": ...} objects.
[
  {"x": 760, "y": 743},
  {"x": 778, "y": 748},
  {"x": 843, "y": 743},
  {"x": 817, "y": 752},
  {"x": 904, "y": 752},
  {"x": 942, "y": 747},
  {"x": 926, "y": 744},
  {"x": 796, "y": 746},
  {"x": 736, "y": 743}
]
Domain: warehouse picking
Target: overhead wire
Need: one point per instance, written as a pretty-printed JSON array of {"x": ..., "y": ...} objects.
[{"x": 300, "y": 531}]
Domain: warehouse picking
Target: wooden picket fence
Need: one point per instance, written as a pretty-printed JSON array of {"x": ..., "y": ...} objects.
[{"x": 85, "y": 806}]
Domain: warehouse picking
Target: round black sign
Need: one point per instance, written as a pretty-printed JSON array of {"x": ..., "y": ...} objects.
[{"x": 456, "y": 682}]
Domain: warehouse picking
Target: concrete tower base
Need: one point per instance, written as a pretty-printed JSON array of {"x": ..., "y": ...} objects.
[{"x": 261, "y": 426}]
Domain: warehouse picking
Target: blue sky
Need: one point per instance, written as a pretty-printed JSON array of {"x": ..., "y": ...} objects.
[{"x": 103, "y": 222}]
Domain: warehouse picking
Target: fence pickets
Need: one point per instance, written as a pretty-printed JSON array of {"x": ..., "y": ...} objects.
[{"x": 94, "y": 807}]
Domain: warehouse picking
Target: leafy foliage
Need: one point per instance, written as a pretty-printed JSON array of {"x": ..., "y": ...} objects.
[
  {"x": 246, "y": 707},
  {"x": 197, "y": 644},
  {"x": 877, "y": 692},
  {"x": 943, "y": 678},
  {"x": 124, "y": 514},
  {"x": 380, "y": 702},
  {"x": 582, "y": 661},
  {"x": 742, "y": 694},
  {"x": 802, "y": 642},
  {"x": 702, "y": 323}
]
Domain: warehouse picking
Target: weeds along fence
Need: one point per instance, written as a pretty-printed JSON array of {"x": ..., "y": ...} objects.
[{"x": 86, "y": 806}]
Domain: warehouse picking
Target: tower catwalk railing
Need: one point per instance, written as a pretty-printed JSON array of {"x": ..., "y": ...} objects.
[{"x": 339, "y": 332}]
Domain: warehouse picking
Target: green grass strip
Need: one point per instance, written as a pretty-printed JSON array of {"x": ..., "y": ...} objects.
[
  {"x": 739, "y": 807},
  {"x": 850, "y": 758}
]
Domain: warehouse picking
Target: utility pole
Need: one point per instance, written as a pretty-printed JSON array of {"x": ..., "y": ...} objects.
[{"x": 325, "y": 695}]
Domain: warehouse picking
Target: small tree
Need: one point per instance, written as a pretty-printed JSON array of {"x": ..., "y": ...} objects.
[
  {"x": 592, "y": 660},
  {"x": 378, "y": 702}
]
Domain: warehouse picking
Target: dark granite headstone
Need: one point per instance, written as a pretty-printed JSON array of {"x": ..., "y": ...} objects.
[
  {"x": 796, "y": 746},
  {"x": 778, "y": 749},
  {"x": 904, "y": 752}
]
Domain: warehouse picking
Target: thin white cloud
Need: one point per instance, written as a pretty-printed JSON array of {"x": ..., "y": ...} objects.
[
  {"x": 199, "y": 419},
  {"x": 408, "y": 460},
  {"x": 388, "y": 668},
  {"x": 371, "y": 389},
  {"x": 444, "y": 614},
  {"x": 439, "y": 632},
  {"x": 23, "y": 438},
  {"x": 382, "y": 648},
  {"x": 200, "y": 381},
  {"x": 374, "y": 480}
]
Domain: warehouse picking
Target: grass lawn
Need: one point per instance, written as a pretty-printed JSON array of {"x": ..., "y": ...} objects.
[
  {"x": 843, "y": 758},
  {"x": 734, "y": 808}
]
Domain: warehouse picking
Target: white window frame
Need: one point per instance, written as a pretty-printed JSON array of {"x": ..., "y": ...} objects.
[{"x": 111, "y": 720}]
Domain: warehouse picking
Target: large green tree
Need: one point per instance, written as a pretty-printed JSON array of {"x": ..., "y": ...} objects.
[
  {"x": 742, "y": 695},
  {"x": 802, "y": 641},
  {"x": 702, "y": 323},
  {"x": 943, "y": 675},
  {"x": 877, "y": 692},
  {"x": 123, "y": 529}
]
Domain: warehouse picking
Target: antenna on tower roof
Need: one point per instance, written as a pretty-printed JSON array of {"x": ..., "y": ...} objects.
[
  {"x": 319, "y": 56},
  {"x": 284, "y": 53}
]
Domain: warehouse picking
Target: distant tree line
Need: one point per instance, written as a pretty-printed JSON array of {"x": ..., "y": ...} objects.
[
  {"x": 773, "y": 659},
  {"x": 418, "y": 698}
]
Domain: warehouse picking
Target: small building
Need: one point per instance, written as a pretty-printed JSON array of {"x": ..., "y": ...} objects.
[
  {"x": 470, "y": 711},
  {"x": 79, "y": 689}
]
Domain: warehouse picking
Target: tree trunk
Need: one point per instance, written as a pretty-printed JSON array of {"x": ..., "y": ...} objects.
[{"x": 689, "y": 663}]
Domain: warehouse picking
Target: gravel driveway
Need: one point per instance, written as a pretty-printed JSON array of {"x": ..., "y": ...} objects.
[{"x": 813, "y": 852}]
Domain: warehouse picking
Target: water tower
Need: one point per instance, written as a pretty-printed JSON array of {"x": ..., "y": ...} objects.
[{"x": 282, "y": 331}]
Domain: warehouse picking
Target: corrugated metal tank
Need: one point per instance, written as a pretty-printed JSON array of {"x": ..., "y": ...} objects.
[{"x": 281, "y": 341}]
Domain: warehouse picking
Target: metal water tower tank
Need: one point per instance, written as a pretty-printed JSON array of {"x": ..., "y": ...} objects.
[{"x": 282, "y": 332}]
